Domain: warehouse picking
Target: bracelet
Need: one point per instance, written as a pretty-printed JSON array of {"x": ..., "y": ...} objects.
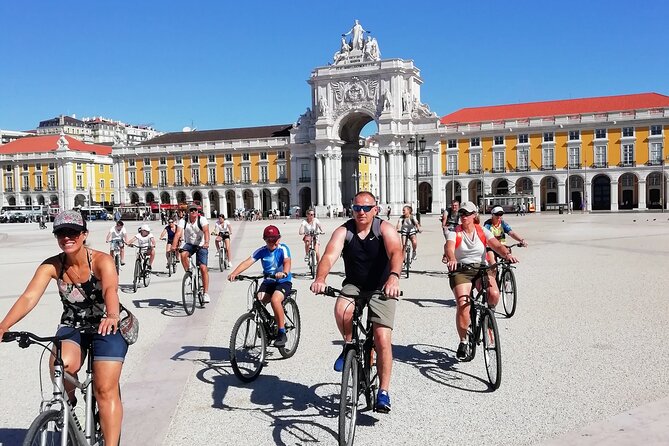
[{"x": 393, "y": 273}]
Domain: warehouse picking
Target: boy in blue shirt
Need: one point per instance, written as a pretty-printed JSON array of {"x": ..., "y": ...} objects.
[{"x": 275, "y": 259}]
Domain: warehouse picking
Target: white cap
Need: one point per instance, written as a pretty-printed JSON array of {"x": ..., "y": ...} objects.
[
  {"x": 497, "y": 210},
  {"x": 145, "y": 227},
  {"x": 468, "y": 206}
]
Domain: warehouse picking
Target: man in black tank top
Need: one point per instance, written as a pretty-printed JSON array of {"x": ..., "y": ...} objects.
[{"x": 372, "y": 256}]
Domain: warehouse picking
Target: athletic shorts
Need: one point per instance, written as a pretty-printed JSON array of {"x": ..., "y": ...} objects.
[
  {"x": 271, "y": 287},
  {"x": 223, "y": 236},
  {"x": 105, "y": 348},
  {"x": 202, "y": 255},
  {"x": 382, "y": 308},
  {"x": 464, "y": 276}
]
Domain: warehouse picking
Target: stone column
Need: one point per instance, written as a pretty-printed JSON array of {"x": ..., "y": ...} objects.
[
  {"x": 382, "y": 178},
  {"x": 642, "y": 194},
  {"x": 407, "y": 168},
  {"x": 320, "y": 180},
  {"x": 614, "y": 195},
  {"x": 337, "y": 186},
  {"x": 561, "y": 192},
  {"x": 328, "y": 180},
  {"x": 392, "y": 181},
  {"x": 17, "y": 183},
  {"x": 206, "y": 205},
  {"x": 223, "y": 204},
  {"x": 536, "y": 190},
  {"x": 588, "y": 193}
]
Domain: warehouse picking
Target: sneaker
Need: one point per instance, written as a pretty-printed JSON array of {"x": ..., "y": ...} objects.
[
  {"x": 206, "y": 298},
  {"x": 339, "y": 363},
  {"x": 413, "y": 256},
  {"x": 122, "y": 263},
  {"x": 306, "y": 259},
  {"x": 383, "y": 402},
  {"x": 462, "y": 351},
  {"x": 217, "y": 254},
  {"x": 148, "y": 268},
  {"x": 281, "y": 339}
]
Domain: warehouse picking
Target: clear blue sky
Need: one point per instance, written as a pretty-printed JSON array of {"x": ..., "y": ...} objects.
[{"x": 224, "y": 64}]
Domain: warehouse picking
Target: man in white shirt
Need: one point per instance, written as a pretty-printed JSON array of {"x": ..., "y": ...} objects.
[{"x": 194, "y": 229}]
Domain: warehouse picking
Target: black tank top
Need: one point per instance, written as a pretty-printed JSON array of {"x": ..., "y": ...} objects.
[{"x": 365, "y": 261}]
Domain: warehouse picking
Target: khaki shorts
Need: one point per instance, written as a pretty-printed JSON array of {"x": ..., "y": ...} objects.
[
  {"x": 464, "y": 276},
  {"x": 382, "y": 309}
]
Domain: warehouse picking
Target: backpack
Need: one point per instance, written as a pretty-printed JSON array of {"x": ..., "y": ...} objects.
[
  {"x": 479, "y": 232},
  {"x": 199, "y": 225},
  {"x": 376, "y": 229}
]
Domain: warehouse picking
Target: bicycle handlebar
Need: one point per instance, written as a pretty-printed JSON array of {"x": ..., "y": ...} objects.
[
  {"x": 463, "y": 266},
  {"x": 335, "y": 292},
  {"x": 264, "y": 276},
  {"x": 25, "y": 338}
]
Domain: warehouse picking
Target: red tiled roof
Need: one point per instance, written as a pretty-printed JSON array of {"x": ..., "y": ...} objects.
[
  {"x": 558, "y": 108},
  {"x": 49, "y": 143}
]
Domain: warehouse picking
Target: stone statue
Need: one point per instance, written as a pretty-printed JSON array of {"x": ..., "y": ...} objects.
[
  {"x": 387, "y": 100},
  {"x": 342, "y": 54},
  {"x": 322, "y": 105},
  {"x": 357, "y": 36},
  {"x": 372, "y": 49},
  {"x": 406, "y": 102}
]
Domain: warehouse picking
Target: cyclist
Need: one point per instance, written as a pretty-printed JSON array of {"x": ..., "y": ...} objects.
[
  {"x": 169, "y": 231},
  {"x": 372, "y": 260},
  {"x": 145, "y": 239},
  {"x": 275, "y": 259},
  {"x": 88, "y": 288},
  {"x": 466, "y": 245},
  {"x": 500, "y": 228},
  {"x": 450, "y": 218},
  {"x": 117, "y": 236},
  {"x": 223, "y": 231},
  {"x": 311, "y": 224},
  {"x": 194, "y": 229},
  {"x": 408, "y": 226}
]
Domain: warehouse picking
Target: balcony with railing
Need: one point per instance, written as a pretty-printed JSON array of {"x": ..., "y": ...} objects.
[
  {"x": 654, "y": 163},
  {"x": 498, "y": 169},
  {"x": 600, "y": 165},
  {"x": 548, "y": 167},
  {"x": 246, "y": 181},
  {"x": 263, "y": 181},
  {"x": 523, "y": 169},
  {"x": 25, "y": 188},
  {"x": 38, "y": 189},
  {"x": 51, "y": 187},
  {"x": 282, "y": 180},
  {"x": 178, "y": 184},
  {"x": 162, "y": 184},
  {"x": 475, "y": 171},
  {"x": 305, "y": 179},
  {"x": 451, "y": 172},
  {"x": 573, "y": 166},
  {"x": 132, "y": 185},
  {"x": 211, "y": 183},
  {"x": 228, "y": 182},
  {"x": 9, "y": 189},
  {"x": 80, "y": 188},
  {"x": 627, "y": 164}
]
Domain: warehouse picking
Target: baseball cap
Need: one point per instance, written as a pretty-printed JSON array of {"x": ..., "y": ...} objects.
[
  {"x": 69, "y": 220},
  {"x": 497, "y": 210},
  {"x": 468, "y": 207},
  {"x": 271, "y": 231},
  {"x": 192, "y": 206},
  {"x": 145, "y": 228}
]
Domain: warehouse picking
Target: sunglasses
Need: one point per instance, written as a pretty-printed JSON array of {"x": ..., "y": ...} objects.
[
  {"x": 465, "y": 213},
  {"x": 192, "y": 210},
  {"x": 271, "y": 239},
  {"x": 171, "y": 221},
  {"x": 499, "y": 214},
  {"x": 69, "y": 233},
  {"x": 366, "y": 208}
]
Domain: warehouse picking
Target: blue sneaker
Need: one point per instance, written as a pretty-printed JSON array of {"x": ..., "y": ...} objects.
[
  {"x": 339, "y": 363},
  {"x": 383, "y": 402}
]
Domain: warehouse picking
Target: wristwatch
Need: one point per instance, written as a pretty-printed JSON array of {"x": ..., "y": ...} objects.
[{"x": 393, "y": 273}]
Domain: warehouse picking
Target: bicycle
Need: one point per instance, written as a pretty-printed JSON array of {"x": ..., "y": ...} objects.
[
  {"x": 483, "y": 326},
  {"x": 312, "y": 261},
  {"x": 223, "y": 257},
  {"x": 142, "y": 267},
  {"x": 116, "y": 249},
  {"x": 192, "y": 286},
  {"x": 255, "y": 329},
  {"x": 408, "y": 249},
  {"x": 172, "y": 261},
  {"x": 359, "y": 376},
  {"x": 57, "y": 422},
  {"x": 506, "y": 281}
]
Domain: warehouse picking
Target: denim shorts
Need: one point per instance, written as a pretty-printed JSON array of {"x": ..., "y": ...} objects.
[
  {"x": 202, "y": 257},
  {"x": 105, "y": 348}
]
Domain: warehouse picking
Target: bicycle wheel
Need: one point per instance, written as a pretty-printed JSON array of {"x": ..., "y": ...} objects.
[
  {"x": 407, "y": 259},
  {"x": 117, "y": 263},
  {"x": 312, "y": 263},
  {"x": 473, "y": 333},
  {"x": 292, "y": 324},
  {"x": 198, "y": 289},
  {"x": 137, "y": 274},
  {"x": 146, "y": 273},
  {"x": 507, "y": 287},
  {"x": 221, "y": 259},
  {"x": 248, "y": 347},
  {"x": 372, "y": 376},
  {"x": 492, "y": 352},
  {"x": 47, "y": 430},
  {"x": 187, "y": 294},
  {"x": 348, "y": 402}
]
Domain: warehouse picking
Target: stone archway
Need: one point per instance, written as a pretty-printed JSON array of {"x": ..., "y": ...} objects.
[
  {"x": 500, "y": 186},
  {"x": 27, "y": 200},
  {"x": 425, "y": 197},
  {"x": 350, "y": 126},
  {"x": 576, "y": 192},
  {"x": 628, "y": 196},
  {"x": 79, "y": 200},
  {"x": 214, "y": 203},
  {"x": 475, "y": 190},
  {"x": 524, "y": 186},
  {"x": 165, "y": 197},
  {"x": 549, "y": 191},
  {"x": 247, "y": 199},
  {"x": 453, "y": 191},
  {"x": 40, "y": 200},
  {"x": 12, "y": 201},
  {"x": 266, "y": 201},
  {"x": 134, "y": 198},
  {"x": 283, "y": 200},
  {"x": 197, "y": 197},
  {"x": 654, "y": 194},
  {"x": 53, "y": 199},
  {"x": 182, "y": 198},
  {"x": 231, "y": 202},
  {"x": 149, "y": 198},
  {"x": 601, "y": 193}
]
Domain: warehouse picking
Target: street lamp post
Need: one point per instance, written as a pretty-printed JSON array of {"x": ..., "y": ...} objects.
[
  {"x": 568, "y": 196},
  {"x": 663, "y": 183},
  {"x": 412, "y": 148}
]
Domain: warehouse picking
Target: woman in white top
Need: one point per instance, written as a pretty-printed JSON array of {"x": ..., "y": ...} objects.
[
  {"x": 118, "y": 235},
  {"x": 308, "y": 227},
  {"x": 223, "y": 231},
  {"x": 145, "y": 239},
  {"x": 466, "y": 245}
]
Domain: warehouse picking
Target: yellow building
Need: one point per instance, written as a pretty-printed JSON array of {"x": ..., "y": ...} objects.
[
  {"x": 59, "y": 171},
  {"x": 602, "y": 153}
]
